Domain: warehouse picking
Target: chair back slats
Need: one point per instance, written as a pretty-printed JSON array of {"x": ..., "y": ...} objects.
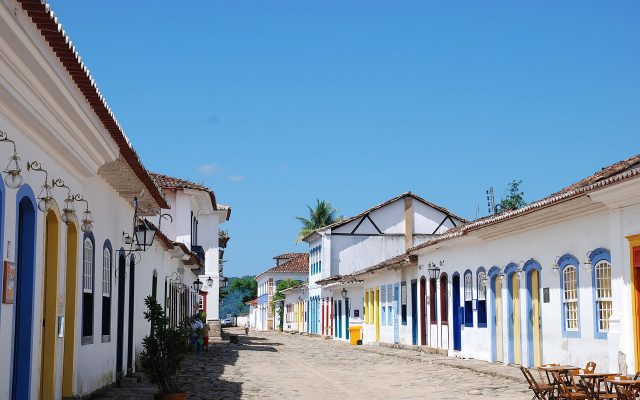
[
  {"x": 540, "y": 392},
  {"x": 590, "y": 368},
  {"x": 588, "y": 389}
]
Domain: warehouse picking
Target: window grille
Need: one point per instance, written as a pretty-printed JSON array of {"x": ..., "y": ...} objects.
[
  {"x": 106, "y": 273},
  {"x": 570, "y": 298},
  {"x": 468, "y": 287},
  {"x": 603, "y": 294},
  {"x": 87, "y": 281}
]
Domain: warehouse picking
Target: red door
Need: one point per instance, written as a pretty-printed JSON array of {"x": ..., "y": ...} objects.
[{"x": 423, "y": 312}]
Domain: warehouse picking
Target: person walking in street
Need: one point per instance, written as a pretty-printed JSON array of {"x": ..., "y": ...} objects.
[{"x": 246, "y": 328}]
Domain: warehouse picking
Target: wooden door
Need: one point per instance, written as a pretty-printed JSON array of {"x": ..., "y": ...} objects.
[
  {"x": 497, "y": 336},
  {"x": 515, "y": 320}
]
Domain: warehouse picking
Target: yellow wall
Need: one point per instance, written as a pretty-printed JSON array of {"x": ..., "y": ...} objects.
[
  {"x": 70, "y": 311},
  {"x": 377, "y": 311},
  {"x": 50, "y": 303}
]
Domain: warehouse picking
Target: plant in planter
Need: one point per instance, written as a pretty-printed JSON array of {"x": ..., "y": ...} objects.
[{"x": 164, "y": 351}]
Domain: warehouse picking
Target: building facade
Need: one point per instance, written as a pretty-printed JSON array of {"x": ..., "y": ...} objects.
[
  {"x": 288, "y": 266},
  {"x": 73, "y": 285}
]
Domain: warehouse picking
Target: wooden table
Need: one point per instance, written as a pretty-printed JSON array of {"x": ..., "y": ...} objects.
[
  {"x": 597, "y": 378},
  {"x": 561, "y": 369},
  {"x": 628, "y": 383}
]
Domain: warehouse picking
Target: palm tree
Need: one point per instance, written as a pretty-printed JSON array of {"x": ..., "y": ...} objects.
[{"x": 323, "y": 214}]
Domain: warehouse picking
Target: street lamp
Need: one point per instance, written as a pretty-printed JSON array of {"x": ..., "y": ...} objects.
[
  {"x": 555, "y": 267},
  {"x": 13, "y": 178},
  {"x": 433, "y": 270},
  {"x": 197, "y": 285},
  {"x": 344, "y": 293},
  {"x": 587, "y": 262},
  {"x": 209, "y": 281}
]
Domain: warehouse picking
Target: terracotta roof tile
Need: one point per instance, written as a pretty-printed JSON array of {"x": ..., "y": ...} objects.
[
  {"x": 610, "y": 175},
  {"x": 287, "y": 255},
  {"x": 60, "y": 44},
  {"x": 169, "y": 182},
  {"x": 299, "y": 264}
]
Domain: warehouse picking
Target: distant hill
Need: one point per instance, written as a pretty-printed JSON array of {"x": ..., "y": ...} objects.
[{"x": 239, "y": 290}]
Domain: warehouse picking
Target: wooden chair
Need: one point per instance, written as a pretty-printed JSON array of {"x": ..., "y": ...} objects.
[
  {"x": 627, "y": 392},
  {"x": 590, "y": 368},
  {"x": 566, "y": 390},
  {"x": 586, "y": 386},
  {"x": 541, "y": 391}
]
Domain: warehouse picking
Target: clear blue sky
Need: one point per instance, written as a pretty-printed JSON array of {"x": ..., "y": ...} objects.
[{"x": 276, "y": 103}]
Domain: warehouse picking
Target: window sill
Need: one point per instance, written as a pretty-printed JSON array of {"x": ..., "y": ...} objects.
[
  {"x": 106, "y": 338},
  {"x": 571, "y": 334},
  {"x": 600, "y": 335},
  {"x": 86, "y": 340},
  {"x": 482, "y": 325}
]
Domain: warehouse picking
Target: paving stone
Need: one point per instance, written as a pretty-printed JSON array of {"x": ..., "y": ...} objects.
[{"x": 271, "y": 365}]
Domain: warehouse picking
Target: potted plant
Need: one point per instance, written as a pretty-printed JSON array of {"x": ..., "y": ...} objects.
[{"x": 164, "y": 351}]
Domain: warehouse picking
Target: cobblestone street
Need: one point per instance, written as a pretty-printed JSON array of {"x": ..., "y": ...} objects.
[{"x": 277, "y": 366}]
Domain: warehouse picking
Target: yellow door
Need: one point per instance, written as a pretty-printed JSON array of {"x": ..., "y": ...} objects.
[
  {"x": 515, "y": 284},
  {"x": 70, "y": 311},
  {"x": 377, "y": 311},
  {"x": 498, "y": 292},
  {"x": 49, "y": 307},
  {"x": 366, "y": 304},
  {"x": 535, "y": 305}
]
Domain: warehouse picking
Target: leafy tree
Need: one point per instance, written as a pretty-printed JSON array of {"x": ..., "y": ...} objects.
[
  {"x": 279, "y": 297},
  {"x": 322, "y": 215},
  {"x": 514, "y": 197}
]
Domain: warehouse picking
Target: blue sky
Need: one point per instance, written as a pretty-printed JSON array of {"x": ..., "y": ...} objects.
[{"x": 275, "y": 104}]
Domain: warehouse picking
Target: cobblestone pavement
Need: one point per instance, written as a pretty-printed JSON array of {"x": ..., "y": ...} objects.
[{"x": 281, "y": 366}]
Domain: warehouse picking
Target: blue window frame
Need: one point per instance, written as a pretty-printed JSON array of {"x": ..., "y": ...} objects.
[
  {"x": 390, "y": 305},
  {"x": 602, "y": 291},
  {"x": 481, "y": 286},
  {"x": 468, "y": 299},
  {"x": 383, "y": 307},
  {"x": 570, "y": 295}
]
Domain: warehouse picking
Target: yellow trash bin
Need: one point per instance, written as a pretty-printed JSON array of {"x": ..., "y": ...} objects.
[{"x": 354, "y": 334}]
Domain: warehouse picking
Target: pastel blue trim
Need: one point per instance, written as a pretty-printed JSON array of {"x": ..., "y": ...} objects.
[
  {"x": 509, "y": 270},
  {"x": 597, "y": 255},
  {"x": 486, "y": 313},
  {"x": 457, "y": 312},
  {"x": 529, "y": 267},
  {"x": 23, "y": 315},
  {"x": 492, "y": 276},
  {"x": 468, "y": 304},
  {"x": 563, "y": 262}
]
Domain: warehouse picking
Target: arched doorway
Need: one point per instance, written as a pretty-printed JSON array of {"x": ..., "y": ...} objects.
[
  {"x": 122, "y": 265},
  {"x": 534, "y": 338},
  {"x": 455, "y": 308},
  {"x": 495, "y": 280},
  {"x": 71, "y": 276},
  {"x": 444, "y": 308},
  {"x": 49, "y": 306},
  {"x": 515, "y": 341},
  {"x": 24, "y": 298},
  {"x": 423, "y": 311},
  {"x": 132, "y": 271}
]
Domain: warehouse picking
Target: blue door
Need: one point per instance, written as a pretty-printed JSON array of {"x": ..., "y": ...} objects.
[
  {"x": 457, "y": 318},
  {"x": 414, "y": 312},
  {"x": 346, "y": 318},
  {"x": 340, "y": 319},
  {"x": 396, "y": 314}
]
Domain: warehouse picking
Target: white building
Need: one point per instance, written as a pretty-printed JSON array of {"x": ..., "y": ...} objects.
[
  {"x": 554, "y": 281},
  {"x": 194, "y": 219},
  {"x": 295, "y": 312},
  {"x": 74, "y": 293},
  {"x": 288, "y": 266},
  {"x": 377, "y": 234}
]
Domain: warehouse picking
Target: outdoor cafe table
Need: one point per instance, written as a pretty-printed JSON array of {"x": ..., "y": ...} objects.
[
  {"x": 561, "y": 369},
  {"x": 597, "y": 378},
  {"x": 622, "y": 381}
]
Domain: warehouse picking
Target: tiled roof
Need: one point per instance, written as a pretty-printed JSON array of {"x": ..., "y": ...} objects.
[
  {"x": 47, "y": 23},
  {"x": 222, "y": 207},
  {"x": 386, "y": 203},
  {"x": 287, "y": 255},
  {"x": 169, "y": 182},
  {"x": 610, "y": 175},
  {"x": 298, "y": 264}
]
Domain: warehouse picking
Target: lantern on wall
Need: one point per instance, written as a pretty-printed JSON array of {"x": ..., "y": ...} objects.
[
  {"x": 433, "y": 270},
  {"x": 197, "y": 285}
]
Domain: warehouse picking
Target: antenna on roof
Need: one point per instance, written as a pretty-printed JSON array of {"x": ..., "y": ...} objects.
[{"x": 491, "y": 201}]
